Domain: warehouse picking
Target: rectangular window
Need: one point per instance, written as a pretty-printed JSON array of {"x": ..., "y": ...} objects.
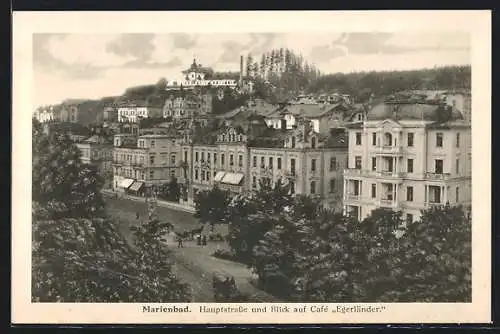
[
  {"x": 222, "y": 162},
  {"x": 292, "y": 166},
  {"x": 409, "y": 166},
  {"x": 435, "y": 194},
  {"x": 313, "y": 165},
  {"x": 208, "y": 157},
  {"x": 313, "y": 187},
  {"x": 254, "y": 182},
  {"x": 262, "y": 163},
  {"x": 196, "y": 174},
  {"x": 152, "y": 143},
  {"x": 457, "y": 194},
  {"x": 457, "y": 166},
  {"x": 333, "y": 163},
  {"x": 458, "y": 140},
  {"x": 374, "y": 164},
  {"x": 152, "y": 159},
  {"x": 279, "y": 163},
  {"x": 332, "y": 185},
  {"x": 202, "y": 156},
  {"x": 358, "y": 138},
  {"x": 292, "y": 187},
  {"x": 439, "y": 139},
  {"x": 185, "y": 156},
  {"x": 374, "y": 190},
  {"x": 172, "y": 160},
  {"x": 410, "y": 139},
  {"x": 438, "y": 166},
  {"x": 196, "y": 156},
  {"x": 255, "y": 161},
  {"x": 409, "y": 194},
  {"x": 357, "y": 162},
  {"x": 271, "y": 162},
  {"x": 374, "y": 139},
  {"x": 240, "y": 160},
  {"x": 151, "y": 174},
  {"x": 215, "y": 158},
  {"x": 231, "y": 160}
]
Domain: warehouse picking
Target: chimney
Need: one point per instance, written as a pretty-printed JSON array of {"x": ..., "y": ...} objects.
[{"x": 241, "y": 71}]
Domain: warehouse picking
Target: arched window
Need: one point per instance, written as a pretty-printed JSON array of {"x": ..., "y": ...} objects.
[
  {"x": 387, "y": 139},
  {"x": 313, "y": 142}
]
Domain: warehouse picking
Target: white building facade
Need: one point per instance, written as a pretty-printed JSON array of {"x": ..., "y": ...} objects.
[{"x": 406, "y": 163}]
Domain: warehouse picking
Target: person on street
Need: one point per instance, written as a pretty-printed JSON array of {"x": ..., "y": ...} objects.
[
  {"x": 204, "y": 241},
  {"x": 137, "y": 215},
  {"x": 179, "y": 242}
]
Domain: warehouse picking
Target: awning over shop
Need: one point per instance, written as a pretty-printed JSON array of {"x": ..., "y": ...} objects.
[
  {"x": 136, "y": 186},
  {"x": 126, "y": 183},
  {"x": 232, "y": 178},
  {"x": 218, "y": 177}
]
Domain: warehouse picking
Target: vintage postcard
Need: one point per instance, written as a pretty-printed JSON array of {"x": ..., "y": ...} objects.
[{"x": 251, "y": 167}]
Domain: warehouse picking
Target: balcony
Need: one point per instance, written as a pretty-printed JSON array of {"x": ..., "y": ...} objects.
[
  {"x": 387, "y": 174},
  {"x": 391, "y": 150},
  {"x": 353, "y": 172},
  {"x": 386, "y": 202},
  {"x": 437, "y": 176},
  {"x": 353, "y": 197}
]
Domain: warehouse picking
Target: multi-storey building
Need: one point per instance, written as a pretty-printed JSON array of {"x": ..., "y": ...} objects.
[
  {"x": 97, "y": 152},
  {"x": 311, "y": 164},
  {"x": 247, "y": 151},
  {"x": 322, "y": 117},
  {"x": 134, "y": 112},
  {"x": 145, "y": 161},
  {"x": 188, "y": 106},
  {"x": 408, "y": 157}
]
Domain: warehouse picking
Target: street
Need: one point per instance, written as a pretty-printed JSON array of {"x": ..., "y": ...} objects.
[{"x": 193, "y": 264}]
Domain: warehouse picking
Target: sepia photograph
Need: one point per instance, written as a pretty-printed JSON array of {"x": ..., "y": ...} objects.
[{"x": 175, "y": 168}]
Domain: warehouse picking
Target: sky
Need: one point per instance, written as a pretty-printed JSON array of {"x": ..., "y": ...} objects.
[{"x": 96, "y": 65}]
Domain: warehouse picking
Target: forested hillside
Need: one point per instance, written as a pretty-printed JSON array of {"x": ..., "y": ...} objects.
[{"x": 281, "y": 74}]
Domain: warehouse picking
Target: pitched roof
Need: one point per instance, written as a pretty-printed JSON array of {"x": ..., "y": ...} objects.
[{"x": 416, "y": 111}]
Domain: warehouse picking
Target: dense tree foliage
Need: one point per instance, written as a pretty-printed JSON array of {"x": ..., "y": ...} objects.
[
  {"x": 362, "y": 84},
  {"x": 80, "y": 255},
  {"x": 170, "y": 191},
  {"x": 211, "y": 206},
  {"x": 60, "y": 180},
  {"x": 304, "y": 252}
]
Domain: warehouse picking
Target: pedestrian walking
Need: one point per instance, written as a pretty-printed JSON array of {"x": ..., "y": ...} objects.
[
  {"x": 179, "y": 242},
  {"x": 204, "y": 241}
]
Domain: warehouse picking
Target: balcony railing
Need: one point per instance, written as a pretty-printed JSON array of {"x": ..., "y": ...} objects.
[
  {"x": 385, "y": 149},
  {"x": 353, "y": 172},
  {"x": 353, "y": 197},
  {"x": 437, "y": 176},
  {"x": 388, "y": 173}
]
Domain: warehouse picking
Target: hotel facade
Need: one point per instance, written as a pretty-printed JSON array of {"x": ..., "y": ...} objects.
[{"x": 407, "y": 158}]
